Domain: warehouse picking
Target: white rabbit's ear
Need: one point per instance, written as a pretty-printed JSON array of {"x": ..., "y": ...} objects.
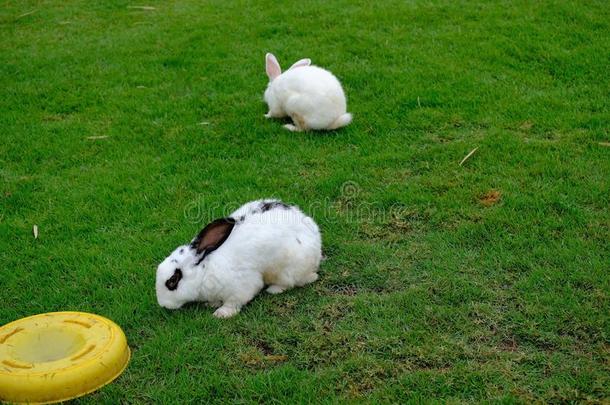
[
  {"x": 213, "y": 235},
  {"x": 272, "y": 66},
  {"x": 299, "y": 63}
]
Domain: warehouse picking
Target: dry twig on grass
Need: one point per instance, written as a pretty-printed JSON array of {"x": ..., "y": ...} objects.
[
  {"x": 148, "y": 8},
  {"x": 25, "y": 14},
  {"x": 468, "y": 155}
]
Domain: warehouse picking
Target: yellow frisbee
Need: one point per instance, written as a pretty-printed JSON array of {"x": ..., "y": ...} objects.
[{"x": 58, "y": 356}]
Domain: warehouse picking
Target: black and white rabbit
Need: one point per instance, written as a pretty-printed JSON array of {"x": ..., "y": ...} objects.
[{"x": 264, "y": 242}]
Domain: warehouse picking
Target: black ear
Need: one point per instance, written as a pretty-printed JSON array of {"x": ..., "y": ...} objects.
[{"x": 213, "y": 235}]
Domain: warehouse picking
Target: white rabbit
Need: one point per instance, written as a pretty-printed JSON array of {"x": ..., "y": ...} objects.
[
  {"x": 310, "y": 95},
  {"x": 265, "y": 242}
]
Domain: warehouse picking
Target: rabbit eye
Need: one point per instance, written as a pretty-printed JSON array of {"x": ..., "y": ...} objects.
[{"x": 172, "y": 282}]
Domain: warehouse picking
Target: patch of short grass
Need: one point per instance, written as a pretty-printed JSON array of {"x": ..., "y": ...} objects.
[{"x": 430, "y": 290}]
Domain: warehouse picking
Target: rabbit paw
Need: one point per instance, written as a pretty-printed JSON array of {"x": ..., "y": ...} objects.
[
  {"x": 276, "y": 289},
  {"x": 292, "y": 128},
  {"x": 226, "y": 312}
]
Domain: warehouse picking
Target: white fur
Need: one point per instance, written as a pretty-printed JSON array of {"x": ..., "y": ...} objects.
[
  {"x": 311, "y": 96},
  {"x": 280, "y": 247}
]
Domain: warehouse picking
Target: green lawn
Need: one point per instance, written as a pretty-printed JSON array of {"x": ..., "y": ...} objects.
[{"x": 482, "y": 282}]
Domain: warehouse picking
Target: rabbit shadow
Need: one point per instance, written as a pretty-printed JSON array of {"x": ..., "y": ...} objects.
[
  {"x": 200, "y": 307},
  {"x": 309, "y": 133}
]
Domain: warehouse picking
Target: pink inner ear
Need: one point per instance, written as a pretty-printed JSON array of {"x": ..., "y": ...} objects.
[
  {"x": 272, "y": 67},
  {"x": 302, "y": 62},
  {"x": 213, "y": 235}
]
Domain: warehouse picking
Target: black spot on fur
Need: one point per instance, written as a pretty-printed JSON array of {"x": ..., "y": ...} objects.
[
  {"x": 268, "y": 205},
  {"x": 174, "y": 261},
  {"x": 172, "y": 282},
  {"x": 299, "y": 241},
  {"x": 181, "y": 250},
  {"x": 241, "y": 219}
]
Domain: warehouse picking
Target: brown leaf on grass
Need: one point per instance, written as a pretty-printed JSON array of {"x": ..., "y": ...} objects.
[
  {"x": 490, "y": 198},
  {"x": 250, "y": 359},
  {"x": 35, "y": 231},
  {"x": 606, "y": 144},
  {"x": 256, "y": 360},
  {"x": 98, "y": 137},
  {"x": 276, "y": 358}
]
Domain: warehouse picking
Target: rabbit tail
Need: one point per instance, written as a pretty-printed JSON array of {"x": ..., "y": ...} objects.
[{"x": 342, "y": 121}]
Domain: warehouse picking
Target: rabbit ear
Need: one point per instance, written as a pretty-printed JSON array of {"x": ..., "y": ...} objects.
[
  {"x": 299, "y": 63},
  {"x": 213, "y": 235},
  {"x": 272, "y": 66}
]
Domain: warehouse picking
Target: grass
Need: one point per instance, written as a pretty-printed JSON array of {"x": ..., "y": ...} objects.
[{"x": 486, "y": 282}]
